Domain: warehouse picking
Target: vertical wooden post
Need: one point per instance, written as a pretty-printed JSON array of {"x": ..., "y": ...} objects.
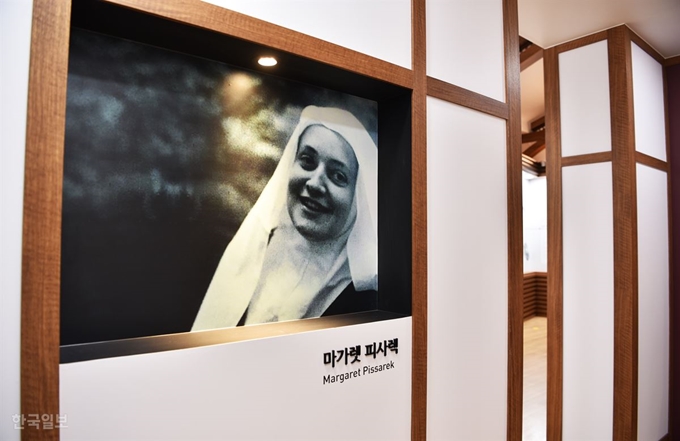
[
  {"x": 555, "y": 256},
  {"x": 625, "y": 235},
  {"x": 515, "y": 229},
  {"x": 41, "y": 262},
  {"x": 419, "y": 223}
]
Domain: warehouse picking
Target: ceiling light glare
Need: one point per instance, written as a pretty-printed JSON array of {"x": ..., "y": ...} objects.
[{"x": 267, "y": 61}]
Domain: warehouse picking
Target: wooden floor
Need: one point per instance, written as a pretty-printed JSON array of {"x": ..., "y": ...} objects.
[{"x": 535, "y": 378}]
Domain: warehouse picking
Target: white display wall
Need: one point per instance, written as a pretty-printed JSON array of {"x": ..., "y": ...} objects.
[
  {"x": 535, "y": 222},
  {"x": 452, "y": 26},
  {"x": 584, "y": 100},
  {"x": 268, "y": 389},
  {"x": 271, "y": 388},
  {"x": 653, "y": 240},
  {"x": 376, "y": 28},
  {"x": 467, "y": 274},
  {"x": 588, "y": 256},
  {"x": 588, "y": 302},
  {"x": 653, "y": 307},
  {"x": 15, "y": 33},
  {"x": 648, "y": 104}
]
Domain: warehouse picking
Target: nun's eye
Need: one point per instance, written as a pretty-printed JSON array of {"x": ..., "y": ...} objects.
[
  {"x": 307, "y": 161},
  {"x": 339, "y": 178}
]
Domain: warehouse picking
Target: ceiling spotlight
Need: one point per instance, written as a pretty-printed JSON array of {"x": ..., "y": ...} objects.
[{"x": 267, "y": 61}]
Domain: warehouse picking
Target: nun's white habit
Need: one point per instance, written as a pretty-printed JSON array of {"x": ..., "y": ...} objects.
[{"x": 271, "y": 270}]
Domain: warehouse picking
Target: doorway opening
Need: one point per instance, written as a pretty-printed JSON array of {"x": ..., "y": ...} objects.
[{"x": 535, "y": 214}]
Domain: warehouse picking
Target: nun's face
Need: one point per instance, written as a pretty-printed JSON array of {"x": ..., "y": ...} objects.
[{"x": 322, "y": 183}]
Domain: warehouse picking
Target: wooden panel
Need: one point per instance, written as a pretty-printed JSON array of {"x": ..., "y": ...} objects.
[
  {"x": 535, "y": 294},
  {"x": 625, "y": 235},
  {"x": 515, "y": 228},
  {"x": 463, "y": 97},
  {"x": 650, "y": 161},
  {"x": 42, "y": 213},
  {"x": 583, "y": 41},
  {"x": 555, "y": 258},
  {"x": 672, "y": 61},
  {"x": 419, "y": 220},
  {"x": 208, "y": 16},
  {"x": 590, "y": 158}
]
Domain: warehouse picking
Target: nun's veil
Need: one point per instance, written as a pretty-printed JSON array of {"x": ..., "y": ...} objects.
[{"x": 238, "y": 272}]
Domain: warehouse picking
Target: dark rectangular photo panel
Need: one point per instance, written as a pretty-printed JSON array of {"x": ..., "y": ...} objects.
[
  {"x": 204, "y": 192},
  {"x": 169, "y": 158}
]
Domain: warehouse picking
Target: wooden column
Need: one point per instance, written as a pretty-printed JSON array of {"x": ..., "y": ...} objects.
[
  {"x": 625, "y": 235},
  {"x": 419, "y": 221},
  {"x": 555, "y": 257}
]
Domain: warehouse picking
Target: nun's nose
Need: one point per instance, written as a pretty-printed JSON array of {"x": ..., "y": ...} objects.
[{"x": 317, "y": 181}]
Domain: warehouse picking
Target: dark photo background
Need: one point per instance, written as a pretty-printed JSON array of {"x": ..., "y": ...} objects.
[{"x": 165, "y": 155}]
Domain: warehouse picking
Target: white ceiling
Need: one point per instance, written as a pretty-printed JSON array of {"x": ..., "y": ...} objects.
[{"x": 551, "y": 22}]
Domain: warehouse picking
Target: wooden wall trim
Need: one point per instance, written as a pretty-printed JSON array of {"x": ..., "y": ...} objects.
[
  {"x": 224, "y": 21},
  {"x": 515, "y": 228},
  {"x": 457, "y": 95},
  {"x": 625, "y": 235},
  {"x": 589, "y": 158},
  {"x": 672, "y": 61},
  {"x": 580, "y": 42},
  {"x": 42, "y": 213},
  {"x": 555, "y": 257},
  {"x": 651, "y": 161},
  {"x": 535, "y": 294},
  {"x": 419, "y": 222}
]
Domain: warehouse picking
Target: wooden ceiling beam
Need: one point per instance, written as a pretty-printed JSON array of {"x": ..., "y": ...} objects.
[
  {"x": 538, "y": 124},
  {"x": 533, "y": 137},
  {"x": 534, "y": 149},
  {"x": 529, "y": 56}
]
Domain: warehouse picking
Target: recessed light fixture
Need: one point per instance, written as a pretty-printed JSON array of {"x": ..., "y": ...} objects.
[{"x": 267, "y": 61}]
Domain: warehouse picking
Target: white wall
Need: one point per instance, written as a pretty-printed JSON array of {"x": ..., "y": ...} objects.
[
  {"x": 584, "y": 100},
  {"x": 268, "y": 389},
  {"x": 261, "y": 389},
  {"x": 653, "y": 307},
  {"x": 380, "y": 28},
  {"x": 467, "y": 227},
  {"x": 15, "y": 29},
  {"x": 588, "y": 262},
  {"x": 535, "y": 222},
  {"x": 652, "y": 199},
  {"x": 588, "y": 302},
  {"x": 648, "y": 104},
  {"x": 467, "y": 274},
  {"x": 465, "y": 45}
]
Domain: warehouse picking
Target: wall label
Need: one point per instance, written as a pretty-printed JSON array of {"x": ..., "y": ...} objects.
[{"x": 350, "y": 355}]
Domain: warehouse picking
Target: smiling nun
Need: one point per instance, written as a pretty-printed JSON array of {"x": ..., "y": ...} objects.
[{"x": 309, "y": 243}]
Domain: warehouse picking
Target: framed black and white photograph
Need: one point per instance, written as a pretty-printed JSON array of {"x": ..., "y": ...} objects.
[{"x": 198, "y": 195}]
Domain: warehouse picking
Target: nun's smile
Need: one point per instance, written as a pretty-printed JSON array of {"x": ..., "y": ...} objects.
[{"x": 322, "y": 184}]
